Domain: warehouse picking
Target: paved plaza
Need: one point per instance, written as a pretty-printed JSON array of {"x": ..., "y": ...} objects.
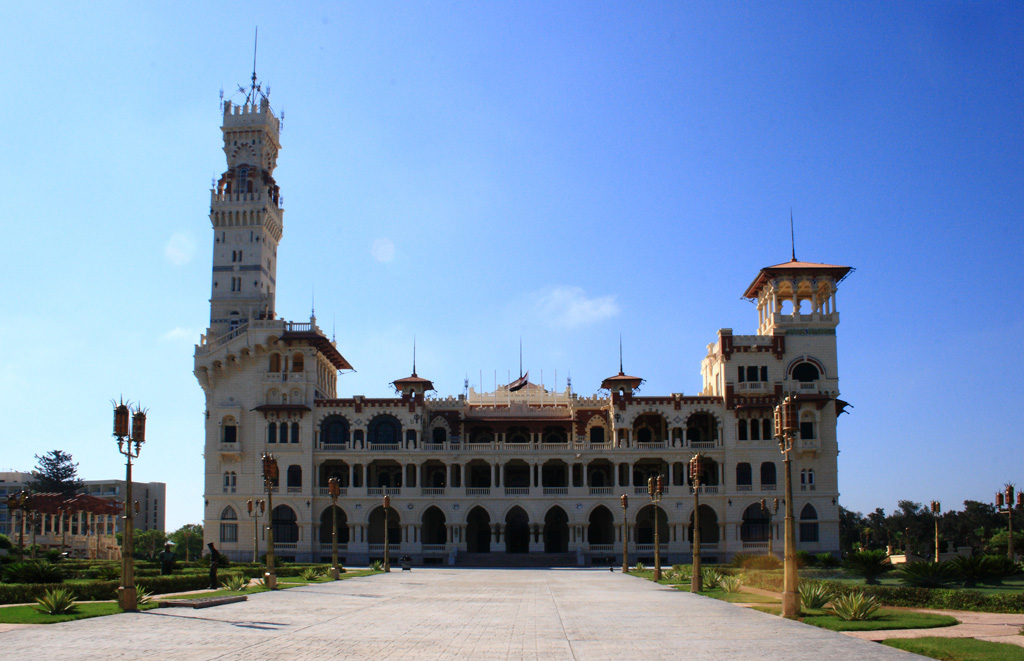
[{"x": 450, "y": 614}]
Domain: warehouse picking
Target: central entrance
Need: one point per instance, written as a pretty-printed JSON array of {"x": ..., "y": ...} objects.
[{"x": 517, "y": 531}]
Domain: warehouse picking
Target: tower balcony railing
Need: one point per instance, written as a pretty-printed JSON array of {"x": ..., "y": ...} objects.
[{"x": 231, "y": 199}]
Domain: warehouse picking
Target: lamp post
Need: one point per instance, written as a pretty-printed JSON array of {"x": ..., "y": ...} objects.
[
  {"x": 655, "y": 489},
  {"x": 696, "y": 466},
  {"x": 256, "y": 508},
  {"x": 936, "y": 508},
  {"x": 270, "y": 475},
  {"x": 1008, "y": 511},
  {"x": 785, "y": 432},
  {"x": 20, "y": 502},
  {"x": 625, "y": 534},
  {"x": 770, "y": 511},
  {"x": 387, "y": 546},
  {"x": 62, "y": 512},
  {"x": 129, "y": 444},
  {"x": 334, "y": 489}
]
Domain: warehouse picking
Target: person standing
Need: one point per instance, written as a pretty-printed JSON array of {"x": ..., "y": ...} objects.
[
  {"x": 166, "y": 560},
  {"x": 214, "y": 562}
]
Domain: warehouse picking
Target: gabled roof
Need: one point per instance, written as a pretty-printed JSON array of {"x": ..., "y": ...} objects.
[
  {"x": 401, "y": 384},
  {"x": 795, "y": 268},
  {"x": 621, "y": 380}
]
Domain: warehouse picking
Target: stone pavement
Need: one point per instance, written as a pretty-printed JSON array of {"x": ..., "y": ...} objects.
[{"x": 451, "y": 614}]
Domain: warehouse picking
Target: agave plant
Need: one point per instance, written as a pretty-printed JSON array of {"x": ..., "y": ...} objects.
[
  {"x": 827, "y": 560},
  {"x": 972, "y": 568},
  {"x": 711, "y": 578},
  {"x": 923, "y": 574},
  {"x": 56, "y": 602},
  {"x": 376, "y": 566},
  {"x": 310, "y": 574},
  {"x": 143, "y": 595},
  {"x": 731, "y": 584},
  {"x": 33, "y": 572},
  {"x": 234, "y": 582},
  {"x": 641, "y": 566},
  {"x": 257, "y": 583},
  {"x": 869, "y": 564},
  {"x": 814, "y": 595},
  {"x": 854, "y": 606}
]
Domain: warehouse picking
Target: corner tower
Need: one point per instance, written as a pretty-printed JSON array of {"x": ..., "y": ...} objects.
[{"x": 247, "y": 218}]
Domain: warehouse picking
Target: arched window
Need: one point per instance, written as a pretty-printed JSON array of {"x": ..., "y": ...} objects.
[
  {"x": 741, "y": 430},
  {"x": 755, "y": 430},
  {"x": 275, "y": 362},
  {"x": 295, "y": 432},
  {"x": 297, "y": 362},
  {"x": 272, "y": 432},
  {"x": 768, "y": 479},
  {"x": 295, "y": 477},
  {"x": 385, "y": 429},
  {"x": 230, "y": 478},
  {"x": 756, "y": 524},
  {"x": 228, "y": 531},
  {"x": 744, "y": 478},
  {"x": 282, "y": 433},
  {"x": 334, "y": 430},
  {"x": 808, "y": 524},
  {"x": 243, "y": 180},
  {"x": 806, "y": 372},
  {"x": 229, "y": 431},
  {"x": 284, "y": 524},
  {"x": 807, "y": 479},
  {"x": 766, "y": 429},
  {"x": 597, "y": 434}
]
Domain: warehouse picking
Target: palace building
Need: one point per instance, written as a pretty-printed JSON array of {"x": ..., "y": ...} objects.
[{"x": 521, "y": 475}]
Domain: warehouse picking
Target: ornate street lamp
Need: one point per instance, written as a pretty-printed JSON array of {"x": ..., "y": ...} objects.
[
  {"x": 770, "y": 511},
  {"x": 696, "y": 466},
  {"x": 256, "y": 508},
  {"x": 625, "y": 535},
  {"x": 654, "y": 490},
  {"x": 129, "y": 444},
  {"x": 936, "y": 507},
  {"x": 1008, "y": 511},
  {"x": 334, "y": 489},
  {"x": 270, "y": 475},
  {"x": 387, "y": 546},
  {"x": 785, "y": 433}
]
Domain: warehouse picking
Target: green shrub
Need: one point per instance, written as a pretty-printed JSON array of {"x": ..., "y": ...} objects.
[
  {"x": 827, "y": 560},
  {"x": 33, "y": 572},
  {"x": 923, "y": 574},
  {"x": 806, "y": 559},
  {"x": 869, "y": 564},
  {"x": 5, "y": 542},
  {"x": 310, "y": 574},
  {"x": 235, "y": 582},
  {"x": 710, "y": 578},
  {"x": 761, "y": 562},
  {"x": 972, "y": 569},
  {"x": 731, "y": 584},
  {"x": 814, "y": 595},
  {"x": 376, "y": 566},
  {"x": 56, "y": 602},
  {"x": 765, "y": 580},
  {"x": 855, "y": 606},
  {"x": 739, "y": 559},
  {"x": 143, "y": 595}
]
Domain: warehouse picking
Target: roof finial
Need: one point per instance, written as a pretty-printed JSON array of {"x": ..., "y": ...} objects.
[
  {"x": 620, "y": 354},
  {"x": 792, "y": 238},
  {"x": 520, "y": 356},
  {"x": 414, "y": 355},
  {"x": 255, "y": 43},
  {"x": 312, "y": 304},
  {"x": 334, "y": 328}
]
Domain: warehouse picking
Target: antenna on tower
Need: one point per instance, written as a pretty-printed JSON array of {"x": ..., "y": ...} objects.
[
  {"x": 520, "y": 356},
  {"x": 792, "y": 236},
  {"x": 414, "y": 355},
  {"x": 280, "y": 123},
  {"x": 620, "y": 354},
  {"x": 312, "y": 302},
  {"x": 221, "y": 104}
]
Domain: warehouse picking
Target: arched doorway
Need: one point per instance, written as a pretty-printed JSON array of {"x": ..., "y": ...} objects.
[
  {"x": 602, "y": 527},
  {"x": 478, "y": 531},
  {"x": 556, "y": 531},
  {"x": 517, "y": 531},
  {"x": 327, "y": 524},
  {"x": 434, "y": 529},
  {"x": 285, "y": 526},
  {"x": 708, "y": 525},
  {"x": 376, "y": 532},
  {"x": 645, "y": 525}
]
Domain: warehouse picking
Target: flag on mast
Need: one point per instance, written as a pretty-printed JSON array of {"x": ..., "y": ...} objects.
[{"x": 519, "y": 383}]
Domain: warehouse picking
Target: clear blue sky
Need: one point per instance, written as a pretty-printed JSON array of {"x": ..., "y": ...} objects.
[{"x": 470, "y": 173}]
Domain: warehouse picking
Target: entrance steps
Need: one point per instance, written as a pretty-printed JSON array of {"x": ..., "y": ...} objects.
[{"x": 516, "y": 560}]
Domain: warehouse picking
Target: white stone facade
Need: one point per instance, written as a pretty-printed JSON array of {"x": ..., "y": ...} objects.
[{"x": 509, "y": 476}]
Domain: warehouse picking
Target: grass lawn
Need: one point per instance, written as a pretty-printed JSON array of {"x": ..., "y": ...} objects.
[
  {"x": 282, "y": 583},
  {"x": 958, "y": 649},
  {"x": 83, "y": 609},
  {"x": 883, "y": 619}
]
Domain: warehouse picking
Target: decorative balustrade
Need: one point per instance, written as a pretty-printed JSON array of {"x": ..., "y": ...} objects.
[
  {"x": 432, "y": 491},
  {"x": 326, "y": 547},
  {"x": 384, "y": 491},
  {"x": 384, "y": 447},
  {"x": 744, "y": 487},
  {"x": 601, "y": 491},
  {"x": 556, "y": 491},
  {"x": 379, "y": 548},
  {"x": 602, "y": 548},
  {"x": 285, "y": 546},
  {"x": 650, "y": 445},
  {"x": 294, "y": 489},
  {"x": 517, "y": 491},
  {"x": 326, "y": 491},
  {"x": 478, "y": 491},
  {"x": 753, "y": 545},
  {"x": 434, "y": 548},
  {"x": 649, "y": 548}
]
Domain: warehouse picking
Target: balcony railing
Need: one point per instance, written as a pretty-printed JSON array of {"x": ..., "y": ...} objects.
[
  {"x": 432, "y": 491},
  {"x": 383, "y": 491},
  {"x": 556, "y": 491},
  {"x": 294, "y": 489},
  {"x": 435, "y": 548},
  {"x": 602, "y": 491},
  {"x": 744, "y": 487},
  {"x": 333, "y": 447},
  {"x": 478, "y": 491},
  {"x": 325, "y": 547},
  {"x": 649, "y": 548},
  {"x": 384, "y": 447},
  {"x": 285, "y": 546},
  {"x": 753, "y": 545},
  {"x": 702, "y": 445},
  {"x": 326, "y": 491},
  {"x": 379, "y": 548},
  {"x": 602, "y": 548},
  {"x": 517, "y": 491}
]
